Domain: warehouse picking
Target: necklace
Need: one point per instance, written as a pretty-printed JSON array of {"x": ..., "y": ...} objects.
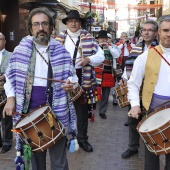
[{"x": 41, "y": 54}]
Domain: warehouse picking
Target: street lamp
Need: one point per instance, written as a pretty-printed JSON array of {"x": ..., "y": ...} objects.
[{"x": 90, "y": 2}]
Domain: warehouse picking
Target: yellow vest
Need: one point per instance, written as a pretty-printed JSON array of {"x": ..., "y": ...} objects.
[{"x": 152, "y": 68}]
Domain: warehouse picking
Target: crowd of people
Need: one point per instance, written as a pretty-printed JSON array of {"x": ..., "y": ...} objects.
[{"x": 45, "y": 68}]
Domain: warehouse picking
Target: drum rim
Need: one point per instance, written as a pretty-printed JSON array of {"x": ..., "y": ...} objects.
[
  {"x": 148, "y": 116},
  {"x": 26, "y": 115}
]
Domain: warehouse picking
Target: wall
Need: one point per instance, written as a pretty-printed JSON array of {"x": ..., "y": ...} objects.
[{"x": 10, "y": 27}]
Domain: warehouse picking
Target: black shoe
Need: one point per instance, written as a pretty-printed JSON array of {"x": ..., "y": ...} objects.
[
  {"x": 102, "y": 115},
  {"x": 5, "y": 148},
  {"x": 114, "y": 102},
  {"x": 126, "y": 124},
  {"x": 86, "y": 146},
  {"x": 128, "y": 153}
]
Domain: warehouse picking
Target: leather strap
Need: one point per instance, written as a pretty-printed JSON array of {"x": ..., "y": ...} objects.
[
  {"x": 49, "y": 75},
  {"x": 75, "y": 50}
]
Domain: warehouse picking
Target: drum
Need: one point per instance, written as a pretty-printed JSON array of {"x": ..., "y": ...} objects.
[
  {"x": 155, "y": 131},
  {"x": 40, "y": 129},
  {"x": 3, "y": 99},
  {"x": 121, "y": 94},
  {"x": 76, "y": 93}
]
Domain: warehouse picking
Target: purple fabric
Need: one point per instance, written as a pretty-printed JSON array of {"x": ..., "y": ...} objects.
[
  {"x": 158, "y": 100},
  {"x": 39, "y": 97}
]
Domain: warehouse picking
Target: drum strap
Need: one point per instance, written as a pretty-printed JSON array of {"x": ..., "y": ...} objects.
[
  {"x": 75, "y": 50},
  {"x": 49, "y": 76}
]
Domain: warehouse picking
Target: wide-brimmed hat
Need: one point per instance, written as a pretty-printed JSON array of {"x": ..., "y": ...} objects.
[
  {"x": 102, "y": 34},
  {"x": 73, "y": 14}
]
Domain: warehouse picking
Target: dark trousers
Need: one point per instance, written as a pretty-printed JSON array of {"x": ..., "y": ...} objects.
[
  {"x": 82, "y": 120},
  {"x": 152, "y": 161},
  {"x": 57, "y": 154},
  {"x": 104, "y": 101},
  {"x": 6, "y": 126},
  {"x": 134, "y": 136}
]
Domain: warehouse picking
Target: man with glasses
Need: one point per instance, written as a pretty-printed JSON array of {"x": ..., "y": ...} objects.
[
  {"x": 6, "y": 123},
  {"x": 152, "y": 69},
  {"x": 86, "y": 54},
  {"x": 27, "y": 87},
  {"x": 149, "y": 33}
]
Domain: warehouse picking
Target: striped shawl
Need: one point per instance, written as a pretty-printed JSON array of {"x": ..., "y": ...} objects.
[
  {"x": 135, "y": 52},
  {"x": 89, "y": 47}
]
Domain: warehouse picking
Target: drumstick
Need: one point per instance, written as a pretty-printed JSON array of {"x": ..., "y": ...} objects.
[
  {"x": 61, "y": 81},
  {"x": 14, "y": 113},
  {"x": 17, "y": 113},
  {"x": 77, "y": 58}
]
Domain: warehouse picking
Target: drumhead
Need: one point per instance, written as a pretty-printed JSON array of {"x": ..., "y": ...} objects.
[
  {"x": 31, "y": 116},
  {"x": 155, "y": 121}
]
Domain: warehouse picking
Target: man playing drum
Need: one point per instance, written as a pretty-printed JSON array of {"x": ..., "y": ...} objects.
[
  {"x": 31, "y": 59},
  {"x": 153, "y": 65},
  {"x": 86, "y": 54},
  {"x": 6, "y": 123},
  {"x": 149, "y": 32}
]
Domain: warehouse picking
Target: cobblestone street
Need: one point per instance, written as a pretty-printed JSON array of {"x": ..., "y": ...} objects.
[{"x": 109, "y": 139}]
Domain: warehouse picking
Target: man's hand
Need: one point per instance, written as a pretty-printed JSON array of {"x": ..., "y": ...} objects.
[
  {"x": 126, "y": 40},
  {"x": 83, "y": 61},
  {"x": 134, "y": 112},
  {"x": 122, "y": 81},
  {"x": 9, "y": 107},
  {"x": 68, "y": 86}
]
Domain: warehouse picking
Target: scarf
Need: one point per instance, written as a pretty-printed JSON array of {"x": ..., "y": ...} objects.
[
  {"x": 88, "y": 47},
  {"x": 134, "y": 53}
]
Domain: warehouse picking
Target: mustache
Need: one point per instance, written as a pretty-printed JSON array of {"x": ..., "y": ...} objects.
[{"x": 42, "y": 31}]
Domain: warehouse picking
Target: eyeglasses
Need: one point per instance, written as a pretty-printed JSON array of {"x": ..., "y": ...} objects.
[
  {"x": 43, "y": 24},
  {"x": 149, "y": 30},
  {"x": 73, "y": 21}
]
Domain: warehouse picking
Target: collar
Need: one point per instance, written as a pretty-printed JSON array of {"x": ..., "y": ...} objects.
[
  {"x": 165, "y": 50},
  {"x": 42, "y": 48},
  {"x": 2, "y": 51},
  {"x": 74, "y": 34}
]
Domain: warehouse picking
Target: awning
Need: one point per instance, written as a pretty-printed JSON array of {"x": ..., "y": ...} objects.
[{"x": 117, "y": 6}]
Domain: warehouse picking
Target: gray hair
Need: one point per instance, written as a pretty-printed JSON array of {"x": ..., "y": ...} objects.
[
  {"x": 123, "y": 33},
  {"x": 163, "y": 18},
  {"x": 149, "y": 21},
  {"x": 40, "y": 10},
  {"x": 3, "y": 36}
]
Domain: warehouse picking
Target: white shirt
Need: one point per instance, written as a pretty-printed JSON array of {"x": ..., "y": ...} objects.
[
  {"x": 115, "y": 52},
  {"x": 41, "y": 69},
  {"x": 95, "y": 59},
  {"x": 126, "y": 51},
  {"x": 137, "y": 75},
  {"x": 1, "y": 55}
]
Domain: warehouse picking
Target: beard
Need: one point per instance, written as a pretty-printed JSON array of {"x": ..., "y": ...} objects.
[{"x": 43, "y": 39}]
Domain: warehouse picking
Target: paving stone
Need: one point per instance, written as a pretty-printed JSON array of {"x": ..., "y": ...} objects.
[{"x": 109, "y": 139}]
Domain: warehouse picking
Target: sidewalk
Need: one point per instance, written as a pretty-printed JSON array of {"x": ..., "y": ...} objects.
[{"x": 109, "y": 139}]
